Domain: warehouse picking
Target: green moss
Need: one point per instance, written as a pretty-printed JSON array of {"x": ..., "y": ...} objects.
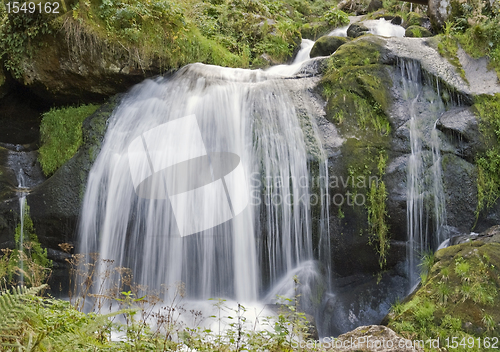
[
  {"x": 488, "y": 163},
  {"x": 459, "y": 299},
  {"x": 448, "y": 48},
  {"x": 61, "y": 135},
  {"x": 356, "y": 87},
  {"x": 352, "y": 88},
  {"x": 377, "y": 213}
]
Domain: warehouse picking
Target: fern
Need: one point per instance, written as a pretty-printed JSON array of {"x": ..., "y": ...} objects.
[
  {"x": 15, "y": 313},
  {"x": 33, "y": 323}
]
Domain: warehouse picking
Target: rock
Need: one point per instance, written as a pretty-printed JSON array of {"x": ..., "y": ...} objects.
[
  {"x": 4, "y": 86},
  {"x": 314, "y": 30},
  {"x": 359, "y": 300},
  {"x": 439, "y": 12},
  {"x": 461, "y": 127},
  {"x": 460, "y": 292},
  {"x": 375, "y": 5},
  {"x": 415, "y": 19},
  {"x": 374, "y": 338},
  {"x": 67, "y": 74},
  {"x": 357, "y": 7},
  {"x": 356, "y": 30},
  {"x": 55, "y": 204},
  {"x": 397, "y": 20},
  {"x": 327, "y": 45},
  {"x": 417, "y": 32}
]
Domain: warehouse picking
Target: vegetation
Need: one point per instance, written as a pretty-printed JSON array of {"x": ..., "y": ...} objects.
[
  {"x": 61, "y": 135},
  {"x": 473, "y": 25},
  {"x": 145, "y": 320},
  {"x": 28, "y": 260},
  {"x": 460, "y": 298},
  {"x": 488, "y": 163},
  {"x": 169, "y": 33}
]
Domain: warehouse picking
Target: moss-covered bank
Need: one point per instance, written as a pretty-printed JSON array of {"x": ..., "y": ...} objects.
[{"x": 460, "y": 297}]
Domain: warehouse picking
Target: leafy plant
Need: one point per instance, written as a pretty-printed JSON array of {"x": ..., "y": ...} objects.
[{"x": 336, "y": 18}]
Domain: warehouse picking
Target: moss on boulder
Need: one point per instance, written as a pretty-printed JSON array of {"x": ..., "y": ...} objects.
[
  {"x": 417, "y": 32},
  {"x": 327, "y": 45},
  {"x": 460, "y": 296}
]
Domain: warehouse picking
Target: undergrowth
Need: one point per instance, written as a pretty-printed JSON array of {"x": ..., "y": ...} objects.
[
  {"x": 125, "y": 316},
  {"x": 457, "y": 300},
  {"x": 61, "y": 135},
  {"x": 488, "y": 162}
]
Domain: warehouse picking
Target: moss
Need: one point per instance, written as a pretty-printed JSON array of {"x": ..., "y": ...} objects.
[
  {"x": 352, "y": 87},
  {"x": 447, "y": 47},
  {"x": 356, "y": 103},
  {"x": 61, "y": 135},
  {"x": 488, "y": 111},
  {"x": 461, "y": 291}
]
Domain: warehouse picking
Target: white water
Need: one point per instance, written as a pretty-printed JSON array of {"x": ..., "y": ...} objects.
[
  {"x": 248, "y": 113},
  {"x": 419, "y": 189},
  {"x": 22, "y": 213},
  {"x": 378, "y": 27}
]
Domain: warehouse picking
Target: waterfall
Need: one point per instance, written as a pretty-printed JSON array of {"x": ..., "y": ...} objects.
[
  {"x": 22, "y": 214},
  {"x": 219, "y": 119},
  {"x": 424, "y": 175}
]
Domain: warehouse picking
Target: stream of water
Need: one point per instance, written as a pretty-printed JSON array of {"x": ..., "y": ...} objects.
[{"x": 425, "y": 192}]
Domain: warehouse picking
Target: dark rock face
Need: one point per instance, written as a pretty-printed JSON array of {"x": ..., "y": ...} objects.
[
  {"x": 327, "y": 45},
  {"x": 460, "y": 127},
  {"x": 356, "y": 30},
  {"x": 418, "y": 32},
  {"x": 54, "y": 203}
]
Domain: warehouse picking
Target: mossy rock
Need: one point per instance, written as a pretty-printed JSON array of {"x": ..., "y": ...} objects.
[
  {"x": 327, "y": 45},
  {"x": 356, "y": 87},
  {"x": 415, "y": 19},
  {"x": 461, "y": 295},
  {"x": 314, "y": 30},
  {"x": 417, "y": 32}
]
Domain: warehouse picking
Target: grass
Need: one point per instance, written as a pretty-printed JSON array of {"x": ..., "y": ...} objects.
[
  {"x": 460, "y": 298},
  {"x": 488, "y": 163},
  {"x": 61, "y": 135},
  {"x": 169, "y": 34}
]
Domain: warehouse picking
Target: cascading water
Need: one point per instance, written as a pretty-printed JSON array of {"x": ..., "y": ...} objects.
[
  {"x": 424, "y": 184},
  {"x": 22, "y": 213},
  {"x": 247, "y": 113}
]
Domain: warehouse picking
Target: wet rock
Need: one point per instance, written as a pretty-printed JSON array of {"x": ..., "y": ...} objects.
[
  {"x": 417, "y": 32},
  {"x": 356, "y": 30},
  {"x": 327, "y": 45},
  {"x": 397, "y": 20},
  {"x": 55, "y": 204},
  {"x": 461, "y": 128}
]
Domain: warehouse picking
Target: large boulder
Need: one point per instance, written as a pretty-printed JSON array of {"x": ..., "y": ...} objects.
[
  {"x": 327, "y": 45},
  {"x": 90, "y": 71},
  {"x": 460, "y": 294}
]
